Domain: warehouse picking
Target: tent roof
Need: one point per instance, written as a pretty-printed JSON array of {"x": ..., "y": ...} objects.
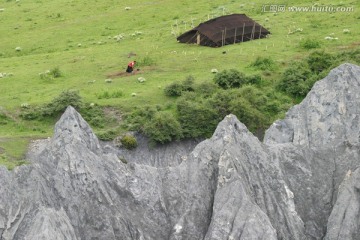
[{"x": 214, "y": 28}]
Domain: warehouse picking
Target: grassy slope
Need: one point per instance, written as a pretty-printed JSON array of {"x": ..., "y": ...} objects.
[{"x": 50, "y": 33}]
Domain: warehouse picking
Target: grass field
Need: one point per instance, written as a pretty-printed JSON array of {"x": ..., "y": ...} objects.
[{"x": 81, "y": 39}]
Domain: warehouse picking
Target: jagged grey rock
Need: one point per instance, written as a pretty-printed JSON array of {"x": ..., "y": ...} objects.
[
  {"x": 344, "y": 219},
  {"x": 329, "y": 114},
  {"x": 301, "y": 183},
  {"x": 318, "y": 143}
]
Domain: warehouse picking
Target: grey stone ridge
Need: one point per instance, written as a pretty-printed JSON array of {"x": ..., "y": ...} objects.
[{"x": 301, "y": 183}]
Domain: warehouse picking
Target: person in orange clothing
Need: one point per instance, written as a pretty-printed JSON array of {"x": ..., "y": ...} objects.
[{"x": 130, "y": 66}]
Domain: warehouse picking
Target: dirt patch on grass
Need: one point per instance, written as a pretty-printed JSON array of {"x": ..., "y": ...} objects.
[
  {"x": 355, "y": 44},
  {"x": 351, "y": 46},
  {"x": 124, "y": 74}
]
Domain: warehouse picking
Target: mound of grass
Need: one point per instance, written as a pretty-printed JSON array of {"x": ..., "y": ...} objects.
[
  {"x": 110, "y": 94},
  {"x": 310, "y": 44},
  {"x": 264, "y": 63}
]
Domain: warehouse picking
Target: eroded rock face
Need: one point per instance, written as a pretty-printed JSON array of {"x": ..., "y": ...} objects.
[
  {"x": 328, "y": 116},
  {"x": 318, "y": 143},
  {"x": 301, "y": 183}
]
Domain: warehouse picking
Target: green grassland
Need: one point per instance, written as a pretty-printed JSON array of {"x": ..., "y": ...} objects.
[{"x": 79, "y": 38}]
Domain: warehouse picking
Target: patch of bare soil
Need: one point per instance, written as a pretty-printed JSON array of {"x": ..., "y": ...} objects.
[{"x": 124, "y": 74}]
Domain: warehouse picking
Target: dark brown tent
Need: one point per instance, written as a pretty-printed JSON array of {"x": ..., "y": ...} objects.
[{"x": 224, "y": 30}]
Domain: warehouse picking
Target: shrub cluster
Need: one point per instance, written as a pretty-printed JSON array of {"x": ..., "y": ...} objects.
[
  {"x": 232, "y": 78},
  {"x": 159, "y": 125},
  {"x": 92, "y": 113},
  {"x": 200, "y": 106},
  {"x": 197, "y": 118},
  {"x": 128, "y": 141},
  {"x": 163, "y": 127},
  {"x": 107, "y": 135},
  {"x": 319, "y": 61},
  {"x": 176, "y": 89},
  {"x": 198, "y": 111},
  {"x": 58, "y": 105},
  {"x": 299, "y": 77},
  {"x": 294, "y": 80},
  {"x": 310, "y": 44},
  {"x": 264, "y": 63}
]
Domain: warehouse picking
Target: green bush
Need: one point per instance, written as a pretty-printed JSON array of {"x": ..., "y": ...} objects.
[
  {"x": 251, "y": 105},
  {"x": 175, "y": 89},
  {"x": 348, "y": 56},
  {"x": 277, "y": 105},
  {"x": 310, "y": 44},
  {"x": 129, "y": 141},
  {"x": 30, "y": 113},
  {"x": 61, "y": 102},
  {"x": 319, "y": 61},
  {"x": 94, "y": 115},
  {"x": 254, "y": 96},
  {"x": 136, "y": 120},
  {"x": 107, "y": 135},
  {"x": 206, "y": 89},
  {"x": 196, "y": 116},
  {"x": 254, "y": 120},
  {"x": 188, "y": 84},
  {"x": 56, "y": 107},
  {"x": 264, "y": 63},
  {"x": 55, "y": 72},
  {"x": 219, "y": 102},
  {"x": 253, "y": 79},
  {"x": 163, "y": 128},
  {"x": 293, "y": 80},
  {"x": 230, "y": 79}
]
